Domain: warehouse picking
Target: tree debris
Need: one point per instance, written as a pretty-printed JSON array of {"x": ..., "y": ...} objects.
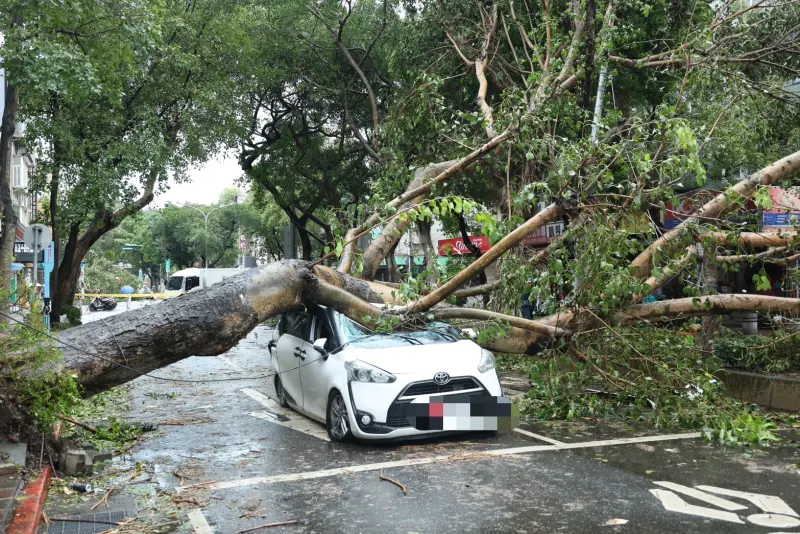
[
  {"x": 268, "y": 525},
  {"x": 396, "y": 483}
]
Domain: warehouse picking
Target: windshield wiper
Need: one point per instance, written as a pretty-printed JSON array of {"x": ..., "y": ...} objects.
[{"x": 445, "y": 335}]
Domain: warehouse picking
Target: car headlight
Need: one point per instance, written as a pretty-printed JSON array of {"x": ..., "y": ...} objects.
[
  {"x": 359, "y": 371},
  {"x": 487, "y": 361}
]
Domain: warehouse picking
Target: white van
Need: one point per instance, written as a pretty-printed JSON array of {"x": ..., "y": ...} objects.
[{"x": 188, "y": 279}]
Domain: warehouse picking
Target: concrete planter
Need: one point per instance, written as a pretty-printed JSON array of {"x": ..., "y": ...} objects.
[{"x": 773, "y": 392}]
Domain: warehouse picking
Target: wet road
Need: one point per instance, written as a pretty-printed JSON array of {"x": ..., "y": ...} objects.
[{"x": 255, "y": 470}]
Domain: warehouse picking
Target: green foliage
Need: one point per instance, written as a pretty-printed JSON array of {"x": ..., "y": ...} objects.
[
  {"x": 653, "y": 377},
  {"x": 776, "y": 353},
  {"x": 73, "y": 314},
  {"x": 102, "y": 276},
  {"x": 28, "y": 374}
]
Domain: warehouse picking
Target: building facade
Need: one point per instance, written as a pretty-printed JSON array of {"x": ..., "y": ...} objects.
[{"x": 23, "y": 167}]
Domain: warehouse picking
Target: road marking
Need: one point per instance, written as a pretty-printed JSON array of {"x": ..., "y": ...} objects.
[
  {"x": 673, "y": 503},
  {"x": 198, "y": 521},
  {"x": 768, "y": 503},
  {"x": 295, "y": 420},
  {"x": 232, "y": 364},
  {"x": 774, "y": 520},
  {"x": 700, "y": 496},
  {"x": 540, "y": 438},
  {"x": 481, "y": 455}
]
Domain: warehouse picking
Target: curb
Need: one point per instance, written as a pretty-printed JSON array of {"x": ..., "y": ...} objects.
[
  {"x": 770, "y": 391},
  {"x": 28, "y": 515}
]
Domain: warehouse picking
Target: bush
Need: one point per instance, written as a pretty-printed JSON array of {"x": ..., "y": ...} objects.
[
  {"x": 778, "y": 353},
  {"x": 73, "y": 314}
]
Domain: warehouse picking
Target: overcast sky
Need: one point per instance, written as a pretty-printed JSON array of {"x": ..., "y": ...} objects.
[{"x": 205, "y": 185}]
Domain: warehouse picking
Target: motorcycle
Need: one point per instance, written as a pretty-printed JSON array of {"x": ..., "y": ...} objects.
[{"x": 104, "y": 304}]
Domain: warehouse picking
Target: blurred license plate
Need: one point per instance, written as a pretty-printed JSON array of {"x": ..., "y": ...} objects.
[{"x": 463, "y": 412}]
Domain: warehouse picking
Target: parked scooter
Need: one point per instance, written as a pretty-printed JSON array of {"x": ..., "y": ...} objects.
[{"x": 104, "y": 304}]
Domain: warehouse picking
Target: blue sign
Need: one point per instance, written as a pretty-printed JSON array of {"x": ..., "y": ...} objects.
[
  {"x": 49, "y": 265},
  {"x": 781, "y": 219},
  {"x": 169, "y": 264}
]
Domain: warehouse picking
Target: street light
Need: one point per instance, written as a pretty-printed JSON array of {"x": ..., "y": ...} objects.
[{"x": 205, "y": 216}]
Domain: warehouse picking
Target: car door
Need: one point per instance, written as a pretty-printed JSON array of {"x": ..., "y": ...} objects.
[
  {"x": 291, "y": 352},
  {"x": 315, "y": 374}
]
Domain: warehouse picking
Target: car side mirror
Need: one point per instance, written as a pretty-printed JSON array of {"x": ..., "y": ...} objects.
[{"x": 319, "y": 346}]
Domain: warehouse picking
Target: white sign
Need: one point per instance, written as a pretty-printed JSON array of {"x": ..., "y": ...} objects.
[{"x": 777, "y": 514}]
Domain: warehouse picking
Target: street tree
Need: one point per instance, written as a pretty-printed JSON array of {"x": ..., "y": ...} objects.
[
  {"x": 147, "y": 95},
  {"x": 507, "y": 93}
]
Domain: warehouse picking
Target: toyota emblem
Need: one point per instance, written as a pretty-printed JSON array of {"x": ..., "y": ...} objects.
[{"x": 441, "y": 378}]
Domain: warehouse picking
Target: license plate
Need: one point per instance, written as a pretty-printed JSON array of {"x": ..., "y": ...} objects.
[{"x": 463, "y": 413}]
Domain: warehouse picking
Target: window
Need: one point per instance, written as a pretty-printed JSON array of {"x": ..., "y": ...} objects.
[
  {"x": 20, "y": 175},
  {"x": 192, "y": 282},
  {"x": 324, "y": 331},
  {"x": 175, "y": 283},
  {"x": 296, "y": 324}
]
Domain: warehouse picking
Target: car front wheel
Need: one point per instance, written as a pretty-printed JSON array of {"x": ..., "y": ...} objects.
[
  {"x": 280, "y": 393},
  {"x": 338, "y": 423}
]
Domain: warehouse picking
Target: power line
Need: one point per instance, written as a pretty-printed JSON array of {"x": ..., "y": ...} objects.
[{"x": 142, "y": 373}]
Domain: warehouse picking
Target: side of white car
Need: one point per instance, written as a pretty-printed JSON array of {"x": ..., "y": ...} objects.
[{"x": 362, "y": 389}]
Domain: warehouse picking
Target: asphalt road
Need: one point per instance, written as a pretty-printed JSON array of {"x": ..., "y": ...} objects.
[{"x": 255, "y": 470}]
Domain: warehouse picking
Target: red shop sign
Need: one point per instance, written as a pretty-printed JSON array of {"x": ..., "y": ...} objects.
[{"x": 457, "y": 247}]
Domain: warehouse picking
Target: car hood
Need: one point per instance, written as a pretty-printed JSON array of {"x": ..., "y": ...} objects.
[{"x": 454, "y": 358}]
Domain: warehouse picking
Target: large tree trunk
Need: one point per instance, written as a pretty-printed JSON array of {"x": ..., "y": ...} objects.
[
  {"x": 203, "y": 322},
  {"x": 6, "y": 161}
]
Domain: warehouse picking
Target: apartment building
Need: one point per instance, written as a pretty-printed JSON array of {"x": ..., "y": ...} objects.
[{"x": 23, "y": 167}]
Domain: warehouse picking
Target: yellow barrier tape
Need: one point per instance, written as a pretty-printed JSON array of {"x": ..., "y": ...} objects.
[{"x": 132, "y": 295}]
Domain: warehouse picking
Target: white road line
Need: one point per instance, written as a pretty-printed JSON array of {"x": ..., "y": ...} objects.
[
  {"x": 768, "y": 503},
  {"x": 673, "y": 503},
  {"x": 198, "y": 521},
  {"x": 292, "y": 477},
  {"x": 701, "y": 496},
  {"x": 295, "y": 422},
  {"x": 539, "y": 437},
  {"x": 301, "y": 424},
  {"x": 232, "y": 364}
]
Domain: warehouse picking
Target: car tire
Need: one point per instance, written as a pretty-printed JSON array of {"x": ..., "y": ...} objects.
[
  {"x": 280, "y": 393},
  {"x": 337, "y": 420}
]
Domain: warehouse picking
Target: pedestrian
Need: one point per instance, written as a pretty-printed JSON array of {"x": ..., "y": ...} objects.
[{"x": 527, "y": 309}]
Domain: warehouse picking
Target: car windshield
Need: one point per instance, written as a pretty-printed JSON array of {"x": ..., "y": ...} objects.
[
  {"x": 175, "y": 283},
  {"x": 354, "y": 334}
]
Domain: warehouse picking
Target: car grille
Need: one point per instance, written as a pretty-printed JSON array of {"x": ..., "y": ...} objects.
[
  {"x": 397, "y": 415},
  {"x": 429, "y": 387}
]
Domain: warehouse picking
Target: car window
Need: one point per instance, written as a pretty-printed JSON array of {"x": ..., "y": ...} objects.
[
  {"x": 282, "y": 325},
  {"x": 192, "y": 282},
  {"x": 323, "y": 330},
  {"x": 296, "y": 324},
  {"x": 174, "y": 283},
  {"x": 349, "y": 330}
]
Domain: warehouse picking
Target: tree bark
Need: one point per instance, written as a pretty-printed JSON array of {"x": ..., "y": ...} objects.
[
  {"x": 205, "y": 322},
  {"x": 718, "y": 206},
  {"x": 397, "y": 227},
  {"x": 6, "y": 163}
]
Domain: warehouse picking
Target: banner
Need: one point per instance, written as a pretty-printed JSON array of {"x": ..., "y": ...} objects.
[{"x": 457, "y": 247}]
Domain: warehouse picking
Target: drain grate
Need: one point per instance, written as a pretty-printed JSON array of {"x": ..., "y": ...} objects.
[{"x": 88, "y": 523}]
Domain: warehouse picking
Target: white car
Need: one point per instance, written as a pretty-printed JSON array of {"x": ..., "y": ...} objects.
[{"x": 360, "y": 384}]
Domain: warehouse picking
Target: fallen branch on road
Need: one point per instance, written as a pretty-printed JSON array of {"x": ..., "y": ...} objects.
[
  {"x": 91, "y": 429},
  {"x": 396, "y": 483},
  {"x": 269, "y": 525}
]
